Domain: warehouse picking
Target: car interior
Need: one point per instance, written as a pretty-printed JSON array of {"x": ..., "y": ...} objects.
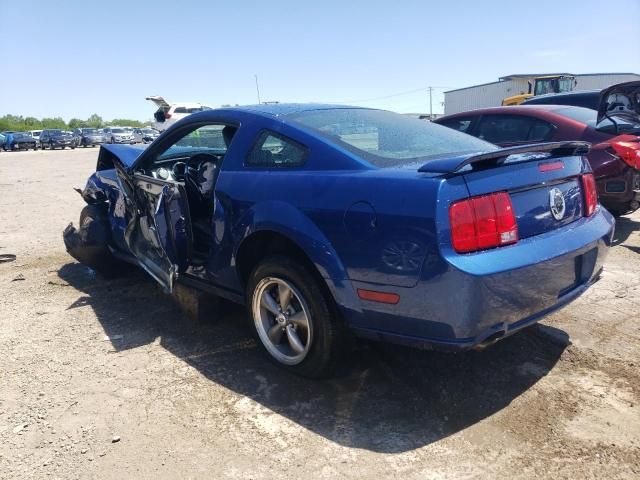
[{"x": 194, "y": 161}]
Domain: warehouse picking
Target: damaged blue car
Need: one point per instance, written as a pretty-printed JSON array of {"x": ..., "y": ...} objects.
[{"x": 328, "y": 221}]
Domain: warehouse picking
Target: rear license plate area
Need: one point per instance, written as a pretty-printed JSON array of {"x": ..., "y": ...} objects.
[{"x": 582, "y": 270}]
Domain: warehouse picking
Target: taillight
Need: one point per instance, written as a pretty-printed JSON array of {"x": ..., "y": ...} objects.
[
  {"x": 590, "y": 194},
  {"x": 627, "y": 147},
  {"x": 478, "y": 223}
]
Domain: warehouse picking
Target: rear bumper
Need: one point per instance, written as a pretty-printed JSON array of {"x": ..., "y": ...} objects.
[{"x": 464, "y": 301}]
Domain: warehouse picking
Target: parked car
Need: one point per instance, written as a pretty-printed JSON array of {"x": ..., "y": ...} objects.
[
  {"x": 145, "y": 135},
  {"x": 118, "y": 135},
  {"x": 614, "y": 135},
  {"x": 56, "y": 138},
  {"x": 2, "y": 140},
  {"x": 36, "y": 134},
  {"x": 88, "y": 137},
  {"x": 616, "y": 98},
  {"x": 15, "y": 141},
  {"x": 169, "y": 113},
  {"x": 326, "y": 218}
]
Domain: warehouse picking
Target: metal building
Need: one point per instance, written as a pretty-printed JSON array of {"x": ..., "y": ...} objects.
[{"x": 492, "y": 94}]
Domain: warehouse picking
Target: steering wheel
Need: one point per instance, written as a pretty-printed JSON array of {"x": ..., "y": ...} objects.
[{"x": 200, "y": 175}]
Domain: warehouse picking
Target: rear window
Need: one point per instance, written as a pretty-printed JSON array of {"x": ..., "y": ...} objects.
[
  {"x": 584, "y": 115},
  {"x": 590, "y": 117},
  {"x": 387, "y": 139}
]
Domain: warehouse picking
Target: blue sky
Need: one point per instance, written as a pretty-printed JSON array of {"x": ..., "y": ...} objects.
[{"x": 74, "y": 58}]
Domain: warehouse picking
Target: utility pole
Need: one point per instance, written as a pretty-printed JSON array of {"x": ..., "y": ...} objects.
[
  {"x": 257, "y": 88},
  {"x": 431, "y": 103}
]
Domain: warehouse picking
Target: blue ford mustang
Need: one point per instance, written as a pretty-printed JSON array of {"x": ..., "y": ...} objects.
[{"x": 328, "y": 219}]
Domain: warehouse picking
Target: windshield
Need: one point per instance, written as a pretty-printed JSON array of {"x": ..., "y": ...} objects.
[
  {"x": 590, "y": 118},
  {"x": 118, "y": 130},
  {"x": 387, "y": 139},
  {"x": 565, "y": 85},
  {"x": 89, "y": 131},
  {"x": 544, "y": 86},
  {"x": 56, "y": 132},
  {"x": 148, "y": 130}
]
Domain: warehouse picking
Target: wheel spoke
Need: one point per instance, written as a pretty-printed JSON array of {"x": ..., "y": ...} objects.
[
  {"x": 284, "y": 294},
  {"x": 269, "y": 303},
  {"x": 294, "y": 340},
  {"x": 275, "y": 333},
  {"x": 299, "y": 319}
]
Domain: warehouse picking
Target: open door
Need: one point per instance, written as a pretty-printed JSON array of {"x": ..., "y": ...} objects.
[{"x": 159, "y": 233}]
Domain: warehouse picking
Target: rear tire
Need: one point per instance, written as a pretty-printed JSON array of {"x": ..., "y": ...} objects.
[{"x": 306, "y": 337}]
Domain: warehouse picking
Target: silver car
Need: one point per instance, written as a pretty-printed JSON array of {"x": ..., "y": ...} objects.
[
  {"x": 118, "y": 135},
  {"x": 145, "y": 135}
]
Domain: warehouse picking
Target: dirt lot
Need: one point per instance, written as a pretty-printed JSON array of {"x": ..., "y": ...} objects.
[{"x": 85, "y": 361}]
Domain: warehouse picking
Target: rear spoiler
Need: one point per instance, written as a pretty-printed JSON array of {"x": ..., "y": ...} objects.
[{"x": 498, "y": 157}]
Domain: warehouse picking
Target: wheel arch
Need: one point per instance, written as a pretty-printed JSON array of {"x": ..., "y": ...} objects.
[{"x": 305, "y": 242}]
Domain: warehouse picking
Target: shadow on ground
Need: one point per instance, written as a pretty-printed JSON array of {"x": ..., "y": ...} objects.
[
  {"x": 625, "y": 226},
  {"x": 387, "y": 399}
]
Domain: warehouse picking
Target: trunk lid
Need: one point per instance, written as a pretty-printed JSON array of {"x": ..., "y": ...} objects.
[
  {"x": 160, "y": 102},
  {"x": 545, "y": 194},
  {"x": 620, "y": 103},
  {"x": 543, "y": 181}
]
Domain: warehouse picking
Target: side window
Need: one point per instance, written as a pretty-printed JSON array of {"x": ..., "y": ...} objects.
[
  {"x": 272, "y": 150},
  {"x": 460, "y": 124},
  {"x": 504, "y": 128},
  {"x": 540, "y": 131}
]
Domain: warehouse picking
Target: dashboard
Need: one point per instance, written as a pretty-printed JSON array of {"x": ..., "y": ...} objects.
[{"x": 175, "y": 169}]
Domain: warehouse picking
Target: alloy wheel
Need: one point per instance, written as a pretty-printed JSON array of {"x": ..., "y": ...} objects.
[{"x": 282, "y": 320}]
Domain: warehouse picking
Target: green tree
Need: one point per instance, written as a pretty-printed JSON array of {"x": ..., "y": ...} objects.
[
  {"x": 95, "y": 121},
  {"x": 76, "y": 123},
  {"x": 32, "y": 123},
  {"x": 56, "y": 122},
  {"x": 125, "y": 122}
]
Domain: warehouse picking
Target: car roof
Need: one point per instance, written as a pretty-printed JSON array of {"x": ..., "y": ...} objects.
[
  {"x": 574, "y": 93},
  {"x": 521, "y": 109}
]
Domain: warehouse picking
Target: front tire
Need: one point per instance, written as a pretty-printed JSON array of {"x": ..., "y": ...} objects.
[
  {"x": 294, "y": 318},
  {"x": 89, "y": 243}
]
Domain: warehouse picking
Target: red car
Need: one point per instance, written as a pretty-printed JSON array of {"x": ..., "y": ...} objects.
[{"x": 613, "y": 130}]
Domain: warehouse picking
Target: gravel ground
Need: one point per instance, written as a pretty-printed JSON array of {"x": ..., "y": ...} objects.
[{"x": 107, "y": 379}]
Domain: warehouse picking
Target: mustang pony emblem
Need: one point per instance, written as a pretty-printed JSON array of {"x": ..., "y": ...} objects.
[{"x": 556, "y": 202}]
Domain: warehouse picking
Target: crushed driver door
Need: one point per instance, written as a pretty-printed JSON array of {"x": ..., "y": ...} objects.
[{"x": 159, "y": 233}]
